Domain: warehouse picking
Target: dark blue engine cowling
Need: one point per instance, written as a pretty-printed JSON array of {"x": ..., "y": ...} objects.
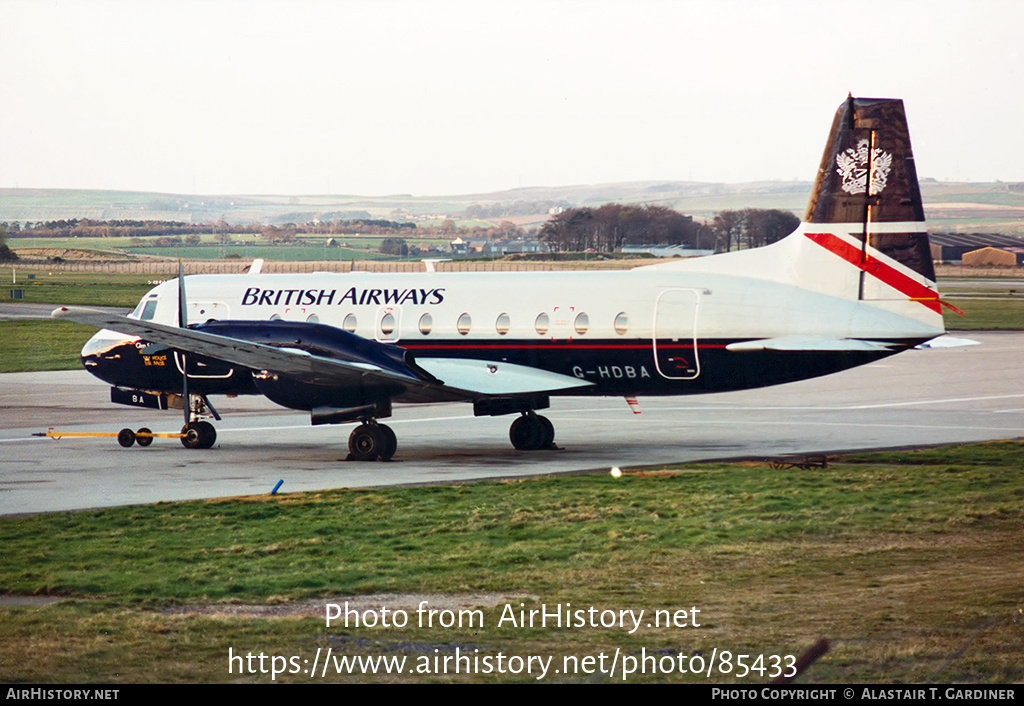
[{"x": 320, "y": 340}]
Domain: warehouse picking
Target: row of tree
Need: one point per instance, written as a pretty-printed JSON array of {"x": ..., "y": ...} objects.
[
  {"x": 611, "y": 226},
  {"x": 751, "y": 228}
]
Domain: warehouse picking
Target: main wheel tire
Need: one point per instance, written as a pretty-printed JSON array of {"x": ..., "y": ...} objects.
[
  {"x": 143, "y": 438},
  {"x": 528, "y": 433},
  {"x": 198, "y": 435},
  {"x": 390, "y": 442},
  {"x": 366, "y": 443},
  {"x": 549, "y": 433},
  {"x": 126, "y": 437}
]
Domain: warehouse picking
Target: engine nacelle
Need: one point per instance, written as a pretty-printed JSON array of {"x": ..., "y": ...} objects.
[{"x": 327, "y": 342}]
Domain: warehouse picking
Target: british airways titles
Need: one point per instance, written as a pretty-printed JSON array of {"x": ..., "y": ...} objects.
[{"x": 254, "y": 296}]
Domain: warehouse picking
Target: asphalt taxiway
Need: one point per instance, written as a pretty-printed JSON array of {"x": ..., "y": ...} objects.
[{"x": 915, "y": 398}]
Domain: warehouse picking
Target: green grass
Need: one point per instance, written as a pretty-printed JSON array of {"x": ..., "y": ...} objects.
[
  {"x": 908, "y": 562},
  {"x": 41, "y": 345},
  {"x": 85, "y": 288},
  {"x": 489, "y": 535},
  {"x": 305, "y": 248},
  {"x": 985, "y": 314}
]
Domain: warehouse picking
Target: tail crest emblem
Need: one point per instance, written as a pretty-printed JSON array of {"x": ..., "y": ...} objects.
[{"x": 855, "y": 164}]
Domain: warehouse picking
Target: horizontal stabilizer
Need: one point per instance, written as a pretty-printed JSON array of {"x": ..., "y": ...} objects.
[
  {"x": 808, "y": 343},
  {"x": 490, "y": 378},
  {"x": 948, "y": 342}
]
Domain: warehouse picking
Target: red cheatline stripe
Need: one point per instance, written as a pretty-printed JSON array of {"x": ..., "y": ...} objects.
[
  {"x": 888, "y": 274},
  {"x": 478, "y": 345}
]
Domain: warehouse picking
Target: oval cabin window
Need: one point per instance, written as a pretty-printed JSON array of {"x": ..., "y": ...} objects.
[
  {"x": 387, "y": 324},
  {"x": 542, "y": 324},
  {"x": 349, "y": 324},
  {"x": 465, "y": 322},
  {"x": 426, "y": 324},
  {"x": 503, "y": 324},
  {"x": 621, "y": 323},
  {"x": 582, "y": 323}
]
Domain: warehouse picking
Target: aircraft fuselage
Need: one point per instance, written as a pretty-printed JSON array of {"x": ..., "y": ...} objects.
[{"x": 646, "y": 331}]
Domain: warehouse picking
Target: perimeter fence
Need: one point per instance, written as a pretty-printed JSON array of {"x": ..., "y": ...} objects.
[{"x": 195, "y": 267}]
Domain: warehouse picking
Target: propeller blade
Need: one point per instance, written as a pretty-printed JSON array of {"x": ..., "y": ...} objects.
[{"x": 183, "y": 323}]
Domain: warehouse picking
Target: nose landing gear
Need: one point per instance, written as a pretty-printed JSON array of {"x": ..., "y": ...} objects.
[{"x": 197, "y": 434}]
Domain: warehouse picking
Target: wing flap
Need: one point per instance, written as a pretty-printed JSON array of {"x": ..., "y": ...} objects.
[
  {"x": 809, "y": 344},
  {"x": 496, "y": 378},
  {"x": 948, "y": 342}
]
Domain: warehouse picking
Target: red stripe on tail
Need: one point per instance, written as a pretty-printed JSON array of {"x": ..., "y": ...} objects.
[{"x": 876, "y": 268}]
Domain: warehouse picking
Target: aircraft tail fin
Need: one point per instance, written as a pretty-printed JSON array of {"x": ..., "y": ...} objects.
[
  {"x": 863, "y": 237},
  {"x": 867, "y": 178}
]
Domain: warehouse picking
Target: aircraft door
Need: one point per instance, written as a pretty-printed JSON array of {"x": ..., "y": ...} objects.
[
  {"x": 562, "y": 318},
  {"x": 201, "y": 312},
  {"x": 675, "y": 334}
]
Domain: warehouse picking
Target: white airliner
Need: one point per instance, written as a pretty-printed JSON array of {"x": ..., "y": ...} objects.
[{"x": 854, "y": 283}]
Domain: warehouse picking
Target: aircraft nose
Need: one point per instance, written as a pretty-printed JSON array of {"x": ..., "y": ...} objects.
[
  {"x": 111, "y": 356},
  {"x": 104, "y": 345}
]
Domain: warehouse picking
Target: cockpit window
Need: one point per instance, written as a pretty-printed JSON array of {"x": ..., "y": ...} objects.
[{"x": 149, "y": 310}]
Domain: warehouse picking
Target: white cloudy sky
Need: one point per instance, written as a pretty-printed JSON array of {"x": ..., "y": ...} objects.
[{"x": 447, "y": 97}]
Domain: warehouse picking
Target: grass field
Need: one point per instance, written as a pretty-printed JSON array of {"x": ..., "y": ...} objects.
[
  {"x": 305, "y": 248},
  {"x": 985, "y": 314},
  {"x": 42, "y": 345},
  {"x": 42, "y": 286},
  {"x": 908, "y": 562}
]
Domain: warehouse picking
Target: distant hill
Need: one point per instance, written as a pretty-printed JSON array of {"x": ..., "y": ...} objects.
[{"x": 949, "y": 205}]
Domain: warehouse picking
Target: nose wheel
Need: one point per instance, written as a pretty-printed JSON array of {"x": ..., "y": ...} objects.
[
  {"x": 198, "y": 435},
  {"x": 532, "y": 432}
]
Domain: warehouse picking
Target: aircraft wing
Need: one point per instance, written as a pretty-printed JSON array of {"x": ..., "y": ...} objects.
[{"x": 447, "y": 378}]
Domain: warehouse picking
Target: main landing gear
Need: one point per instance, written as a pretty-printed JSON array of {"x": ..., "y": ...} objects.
[
  {"x": 532, "y": 432},
  {"x": 371, "y": 441}
]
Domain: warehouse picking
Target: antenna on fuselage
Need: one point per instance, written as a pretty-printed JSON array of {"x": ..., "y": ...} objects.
[{"x": 431, "y": 263}]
